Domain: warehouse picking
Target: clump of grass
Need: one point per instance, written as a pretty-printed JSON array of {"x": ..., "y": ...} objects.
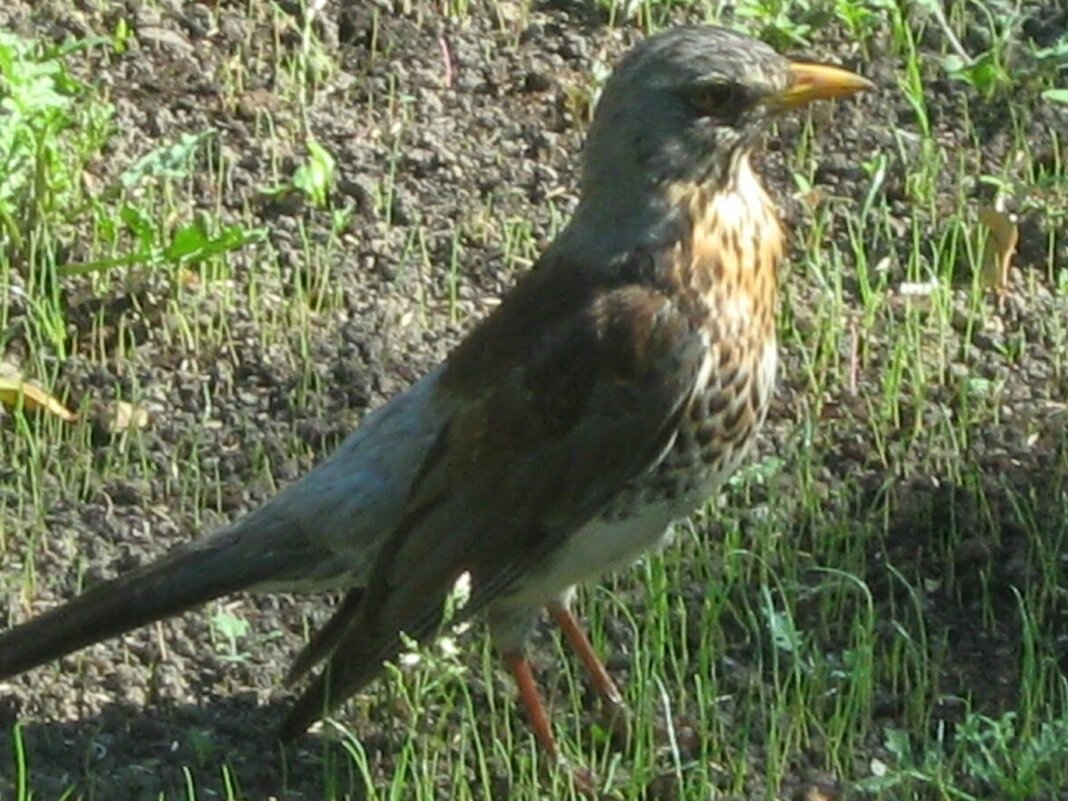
[
  {"x": 53, "y": 127},
  {"x": 50, "y": 128}
]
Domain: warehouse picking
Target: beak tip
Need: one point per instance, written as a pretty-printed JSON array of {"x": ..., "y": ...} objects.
[{"x": 822, "y": 82}]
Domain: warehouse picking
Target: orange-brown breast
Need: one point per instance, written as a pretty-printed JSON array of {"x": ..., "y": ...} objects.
[
  {"x": 732, "y": 255},
  {"x": 731, "y": 261}
]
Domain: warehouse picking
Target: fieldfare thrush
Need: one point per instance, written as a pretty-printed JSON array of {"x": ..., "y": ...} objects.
[{"x": 618, "y": 384}]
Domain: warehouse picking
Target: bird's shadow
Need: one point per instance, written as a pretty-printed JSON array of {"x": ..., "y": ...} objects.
[{"x": 220, "y": 748}]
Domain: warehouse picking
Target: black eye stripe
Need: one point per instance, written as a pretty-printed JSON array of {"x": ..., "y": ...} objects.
[{"x": 724, "y": 101}]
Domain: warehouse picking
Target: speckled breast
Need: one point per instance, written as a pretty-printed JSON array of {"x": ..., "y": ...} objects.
[
  {"x": 715, "y": 435},
  {"x": 730, "y": 262}
]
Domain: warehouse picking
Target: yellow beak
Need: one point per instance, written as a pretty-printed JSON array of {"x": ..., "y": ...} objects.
[{"x": 818, "y": 82}]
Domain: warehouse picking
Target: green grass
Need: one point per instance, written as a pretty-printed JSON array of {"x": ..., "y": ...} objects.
[{"x": 817, "y": 620}]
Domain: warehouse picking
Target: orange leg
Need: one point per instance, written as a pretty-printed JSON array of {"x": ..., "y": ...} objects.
[
  {"x": 539, "y": 720},
  {"x": 577, "y": 639},
  {"x": 531, "y": 701}
]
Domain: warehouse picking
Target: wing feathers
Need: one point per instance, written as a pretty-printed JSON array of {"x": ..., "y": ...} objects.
[{"x": 539, "y": 441}]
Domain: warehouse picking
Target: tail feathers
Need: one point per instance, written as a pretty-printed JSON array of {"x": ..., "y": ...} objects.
[
  {"x": 354, "y": 650},
  {"x": 323, "y": 641},
  {"x": 328, "y": 690},
  {"x": 187, "y": 576}
]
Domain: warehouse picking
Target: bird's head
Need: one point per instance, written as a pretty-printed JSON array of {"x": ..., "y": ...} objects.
[{"x": 685, "y": 105}]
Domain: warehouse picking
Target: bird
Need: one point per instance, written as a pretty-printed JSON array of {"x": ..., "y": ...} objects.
[{"x": 619, "y": 382}]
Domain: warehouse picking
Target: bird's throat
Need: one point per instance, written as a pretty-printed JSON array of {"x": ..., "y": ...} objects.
[{"x": 730, "y": 249}]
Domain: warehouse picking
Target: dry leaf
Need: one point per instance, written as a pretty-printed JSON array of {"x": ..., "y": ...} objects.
[
  {"x": 1002, "y": 236},
  {"x": 13, "y": 391},
  {"x": 817, "y": 791},
  {"x": 812, "y": 198}
]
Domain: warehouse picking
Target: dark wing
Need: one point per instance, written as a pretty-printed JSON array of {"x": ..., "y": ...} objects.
[{"x": 546, "y": 429}]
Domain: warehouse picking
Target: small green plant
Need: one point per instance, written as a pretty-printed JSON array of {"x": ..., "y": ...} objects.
[
  {"x": 50, "y": 127},
  {"x": 1005, "y": 63},
  {"x": 170, "y": 161},
  {"x": 861, "y": 16},
  {"x": 186, "y": 245},
  {"x": 986, "y": 73},
  {"x": 232, "y": 628},
  {"x": 1052, "y": 63},
  {"x": 780, "y": 23},
  {"x": 316, "y": 177},
  {"x": 1001, "y": 756},
  {"x": 987, "y": 758},
  {"x": 53, "y": 127}
]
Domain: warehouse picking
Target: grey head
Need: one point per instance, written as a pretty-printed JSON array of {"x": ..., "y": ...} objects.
[{"x": 681, "y": 106}]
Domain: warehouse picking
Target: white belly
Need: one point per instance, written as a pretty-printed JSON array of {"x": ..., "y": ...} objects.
[
  {"x": 603, "y": 545},
  {"x": 600, "y": 546}
]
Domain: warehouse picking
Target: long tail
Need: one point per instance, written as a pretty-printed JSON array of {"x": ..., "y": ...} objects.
[{"x": 187, "y": 576}]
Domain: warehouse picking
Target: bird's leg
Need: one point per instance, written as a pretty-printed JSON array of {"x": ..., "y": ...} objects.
[
  {"x": 578, "y": 640},
  {"x": 615, "y": 715},
  {"x": 531, "y": 701},
  {"x": 539, "y": 720}
]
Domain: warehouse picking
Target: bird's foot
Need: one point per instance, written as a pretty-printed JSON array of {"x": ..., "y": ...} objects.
[
  {"x": 679, "y": 734},
  {"x": 587, "y": 784}
]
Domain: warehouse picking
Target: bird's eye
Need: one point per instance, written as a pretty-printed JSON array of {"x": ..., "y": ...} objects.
[{"x": 721, "y": 101}]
